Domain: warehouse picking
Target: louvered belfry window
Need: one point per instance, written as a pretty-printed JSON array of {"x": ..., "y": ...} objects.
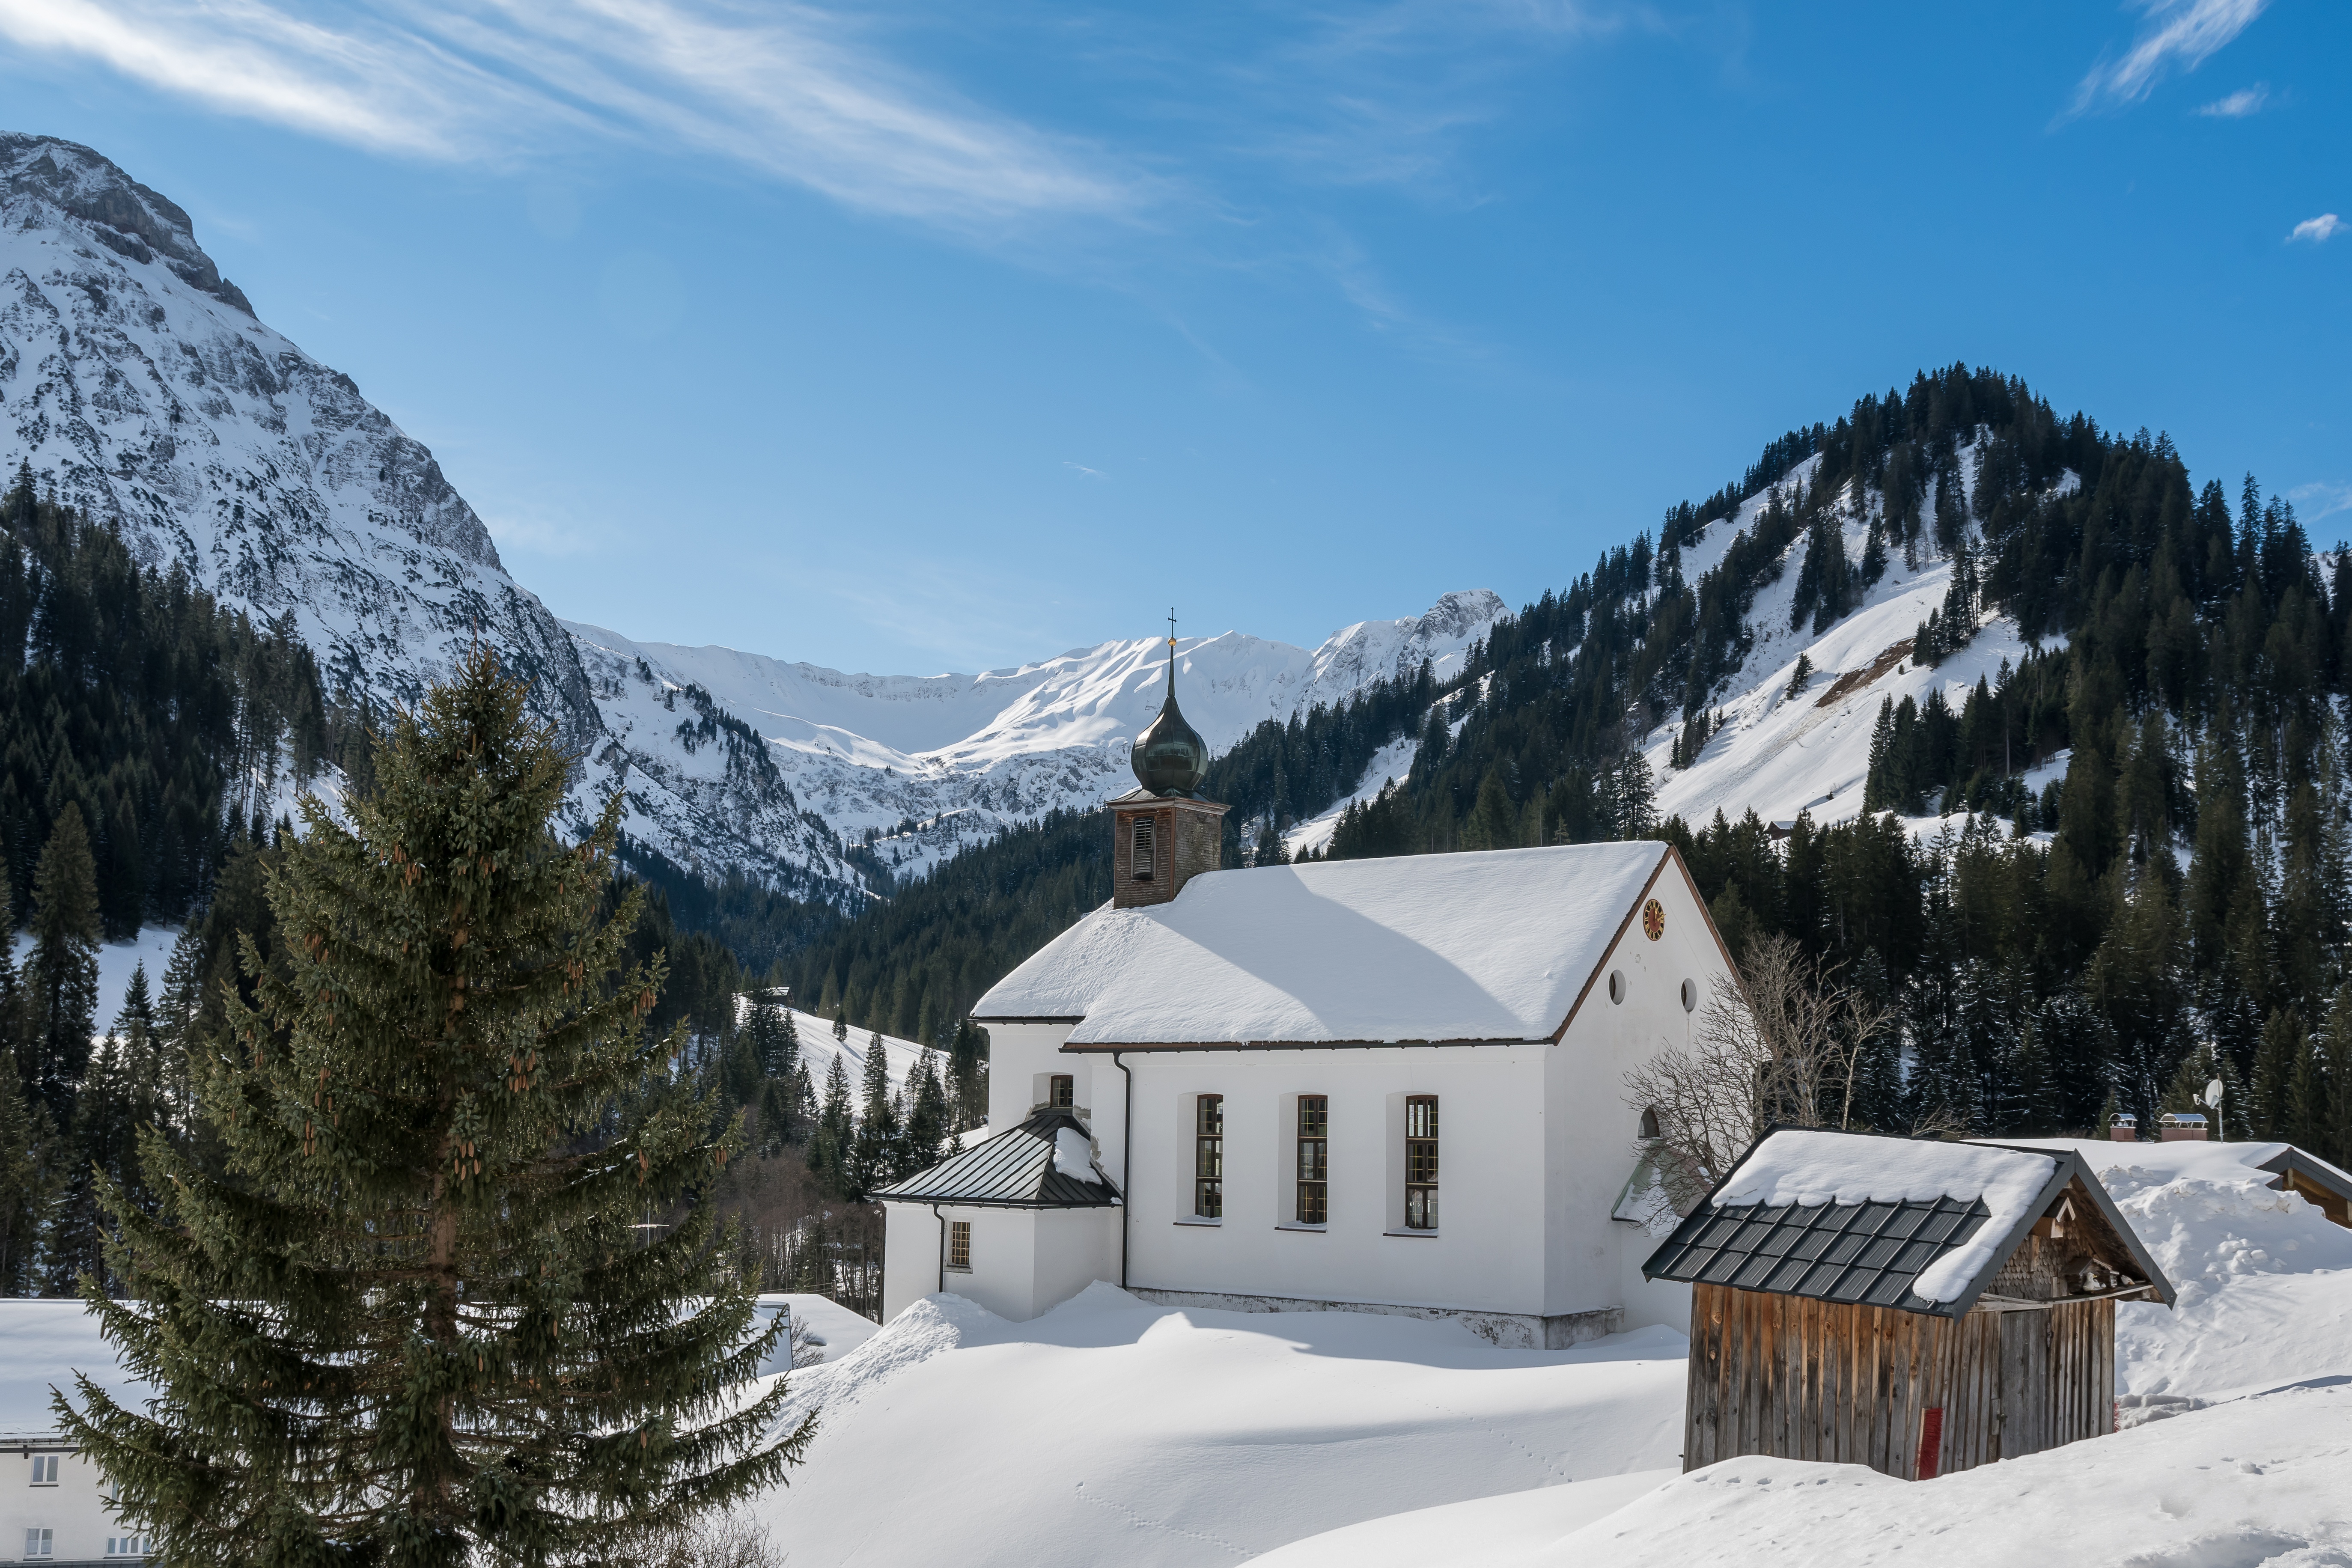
[
  {"x": 1314, "y": 1158},
  {"x": 1143, "y": 849},
  {"x": 1420, "y": 1163},
  {"x": 1209, "y": 1157}
]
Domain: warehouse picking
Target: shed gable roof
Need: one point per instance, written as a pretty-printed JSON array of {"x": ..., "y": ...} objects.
[
  {"x": 1014, "y": 1169},
  {"x": 1491, "y": 946},
  {"x": 1887, "y": 1222}
]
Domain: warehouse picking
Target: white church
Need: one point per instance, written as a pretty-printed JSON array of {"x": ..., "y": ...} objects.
[{"x": 1393, "y": 1085}]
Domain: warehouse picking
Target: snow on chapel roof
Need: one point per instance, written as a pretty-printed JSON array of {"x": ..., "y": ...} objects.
[{"x": 1493, "y": 946}]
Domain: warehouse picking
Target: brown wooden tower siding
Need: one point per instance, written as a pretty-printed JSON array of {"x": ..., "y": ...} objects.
[
  {"x": 1187, "y": 838},
  {"x": 2024, "y": 1361}
]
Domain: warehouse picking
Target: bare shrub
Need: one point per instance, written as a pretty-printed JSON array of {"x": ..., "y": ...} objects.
[
  {"x": 716, "y": 1540},
  {"x": 1782, "y": 1049}
]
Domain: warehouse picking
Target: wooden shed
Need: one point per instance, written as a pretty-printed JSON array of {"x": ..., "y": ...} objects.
[{"x": 1916, "y": 1306}]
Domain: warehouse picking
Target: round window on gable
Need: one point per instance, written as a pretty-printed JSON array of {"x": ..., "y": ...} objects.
[
  {"x": 1617, "y": 985},
  {"x": 1690, "y": 996}
]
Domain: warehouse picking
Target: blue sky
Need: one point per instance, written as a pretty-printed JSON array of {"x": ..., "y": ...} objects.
[{"x": 905, "y": 337}]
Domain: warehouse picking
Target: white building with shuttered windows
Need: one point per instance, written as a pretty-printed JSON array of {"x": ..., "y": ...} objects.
[{"x": 1393, "y": 1084}]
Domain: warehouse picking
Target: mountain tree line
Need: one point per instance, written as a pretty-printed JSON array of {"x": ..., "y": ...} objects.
[{"x": 2174, "y": 910}]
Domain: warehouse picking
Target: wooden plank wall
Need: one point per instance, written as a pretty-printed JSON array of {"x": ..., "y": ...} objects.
[{"x": 1845, "y": 1384}]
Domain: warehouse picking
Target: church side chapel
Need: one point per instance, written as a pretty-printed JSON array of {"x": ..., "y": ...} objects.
[{"x": 1394, "y": 1085}]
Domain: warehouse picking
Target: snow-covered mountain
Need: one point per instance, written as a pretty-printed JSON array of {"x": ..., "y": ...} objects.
[
  {"x": 136, "y": 379},
  {"x": 1781, "y": 752},
  {"x": 139, "y": 384},
  {"x": 961, "y": 756}
]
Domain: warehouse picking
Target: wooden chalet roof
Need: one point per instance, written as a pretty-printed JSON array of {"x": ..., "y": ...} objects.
[
  {"x": 1863, "y": 1220},
  {"x": 1024, "y": 1167}
]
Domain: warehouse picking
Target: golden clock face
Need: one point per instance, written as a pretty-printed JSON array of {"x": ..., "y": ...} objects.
[{"x": 1653, "y": 919}]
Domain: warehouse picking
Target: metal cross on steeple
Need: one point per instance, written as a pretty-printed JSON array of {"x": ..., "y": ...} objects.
[{"x": 1171, "y": 651}]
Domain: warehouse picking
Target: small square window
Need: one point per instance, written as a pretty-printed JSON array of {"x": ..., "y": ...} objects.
[
  {"x": 41, "y": 1543},
  {"x": 960, "y": 1243},
  {"x": 1062, "y": 1091},
  {"x": 45, "y": 1469}
]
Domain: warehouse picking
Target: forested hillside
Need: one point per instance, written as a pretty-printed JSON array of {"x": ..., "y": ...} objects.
[
  {"x": 2176, "y": 911},
  {"x": 152, "y": 745}
]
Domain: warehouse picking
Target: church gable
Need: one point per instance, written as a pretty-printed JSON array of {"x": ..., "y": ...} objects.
[{"x": 1497, "y": 946}]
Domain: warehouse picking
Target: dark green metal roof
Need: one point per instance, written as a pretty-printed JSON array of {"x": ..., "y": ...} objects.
[{"x": 1014, "y": 1169}]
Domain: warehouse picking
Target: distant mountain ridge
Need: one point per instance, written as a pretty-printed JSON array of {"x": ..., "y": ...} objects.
[
  {"x": 963, "y": 756},
  {"x": 138, "y": 384}
]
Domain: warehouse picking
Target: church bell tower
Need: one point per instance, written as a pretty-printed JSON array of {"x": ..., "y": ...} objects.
[{"x": 1165, "y": 832}]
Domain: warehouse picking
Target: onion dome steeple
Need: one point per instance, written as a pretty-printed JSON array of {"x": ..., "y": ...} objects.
[{"x": 1170, "y": 757}]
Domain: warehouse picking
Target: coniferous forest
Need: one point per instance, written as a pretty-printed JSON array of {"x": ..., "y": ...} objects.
[
  {"x": 152, "y": 745},
  {"x": 2175, "y": 912}
]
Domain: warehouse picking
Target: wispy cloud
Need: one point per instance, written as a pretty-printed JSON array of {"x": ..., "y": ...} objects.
[
  {"x": 791, "y": 92},
  {"x": 2178, "y": 35},
  {"x": 1081, "y": 467},
  {"x": 2316, "y": 230},
  {"x": 2318, "y": 501},
  {"x": 2246, "y": 101}
]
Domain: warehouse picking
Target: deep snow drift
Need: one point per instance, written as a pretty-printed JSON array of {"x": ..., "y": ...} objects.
[{"x": 1114, "y": 1431}]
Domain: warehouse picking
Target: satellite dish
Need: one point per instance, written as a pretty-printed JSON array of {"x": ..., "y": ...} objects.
[{"x": 2213, "y": 1094}]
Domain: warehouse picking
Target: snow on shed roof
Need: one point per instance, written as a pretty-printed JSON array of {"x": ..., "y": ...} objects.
[
  {"x": 1816, "y": 1168},
  {"x": 1890, "y": 1222},
  {"x": 1492, "y": 946}
]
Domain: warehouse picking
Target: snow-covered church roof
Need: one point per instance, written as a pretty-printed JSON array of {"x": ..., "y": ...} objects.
[{"x": 1492, "y": 946}]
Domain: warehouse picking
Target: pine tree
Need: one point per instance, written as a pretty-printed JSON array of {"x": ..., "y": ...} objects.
[
  {"x": 874, "y": 1151},
  {"x": 927, "y": 1116},
  {"x": 2275, "y": 1062},
  {"x": 32, "y": 1184},
  {"x": 175, "y": 1020},
  {"x": 62, "y": 973},
  {"x": 829, "y": 1154},
  {"x": 2336, "y": 1144},
  {"x": 411, "y": 1324}
]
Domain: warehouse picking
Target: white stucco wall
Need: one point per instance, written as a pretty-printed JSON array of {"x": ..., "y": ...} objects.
[
  {"x": 1536, "y": 1142},
  {"x": 74, "y": 1510},
  {"x": 1485, "y": 1254},
  {"x": 1592, "y": 1260}
]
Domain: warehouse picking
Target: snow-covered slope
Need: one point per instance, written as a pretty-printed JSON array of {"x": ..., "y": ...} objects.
[
  {"x": 963, "y": 755},
  {"x": 138, "y": 382},
  {"x": 1110, "y": 1430}
]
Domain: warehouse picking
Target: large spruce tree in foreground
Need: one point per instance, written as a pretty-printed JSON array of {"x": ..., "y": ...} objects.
[{"x": 411, "y": 1322}]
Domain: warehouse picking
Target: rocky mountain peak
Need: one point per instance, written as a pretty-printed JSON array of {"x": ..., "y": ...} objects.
[{"x": 122, "y": 214}]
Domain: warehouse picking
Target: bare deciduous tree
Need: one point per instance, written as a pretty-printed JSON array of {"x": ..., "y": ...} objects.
[{"x": 1782, "y": 1049}]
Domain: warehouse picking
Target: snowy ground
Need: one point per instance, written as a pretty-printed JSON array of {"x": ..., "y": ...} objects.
[
  {"x": 1110, "y": 1430},
  {"x": 1781, "y": 754},
  {"x": 116, "y": 960},
  {"x": 1114, "y": 1431},
  {"x": 818, "y": 1048}
]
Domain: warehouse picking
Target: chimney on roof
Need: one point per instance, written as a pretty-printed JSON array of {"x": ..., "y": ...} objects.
[
  {"x": 1164, "y": 832},
  {"x": 2180, "y": 1127}
]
